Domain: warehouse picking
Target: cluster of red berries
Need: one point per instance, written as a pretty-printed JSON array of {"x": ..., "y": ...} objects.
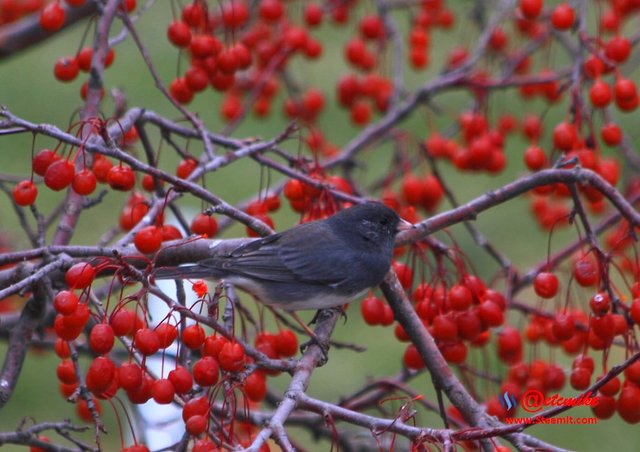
[
  {"x": 67, "y": 68},
  {"x": 60, "y": 173},
  {"x": 216, "y": 357},
  {"x": 480, "y": 147},
  {"x": 576, "y": 331},
  {"x": 457, "y": 317},
  {"x": 315, "y": 202}
]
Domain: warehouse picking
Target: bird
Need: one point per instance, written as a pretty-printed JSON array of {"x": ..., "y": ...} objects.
[{"x": 314, "y": 265}]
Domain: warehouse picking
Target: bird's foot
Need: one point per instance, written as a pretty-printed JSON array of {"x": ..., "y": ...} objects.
[{"x": 322, "y": 344}]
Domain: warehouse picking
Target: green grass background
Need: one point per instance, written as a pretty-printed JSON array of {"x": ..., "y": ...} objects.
[{"x": 27, "y": 87}]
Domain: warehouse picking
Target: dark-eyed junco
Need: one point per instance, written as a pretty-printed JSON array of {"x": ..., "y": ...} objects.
[{"x": 314, "y": 265}]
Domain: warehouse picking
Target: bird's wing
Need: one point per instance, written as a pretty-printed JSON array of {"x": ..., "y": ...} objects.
[
  {"x": 286, "y": 257},
  {"x": 318, "y": 257}
]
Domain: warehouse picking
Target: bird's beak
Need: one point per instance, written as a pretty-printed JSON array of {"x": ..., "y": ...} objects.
[{"x": 404, "y": 225}]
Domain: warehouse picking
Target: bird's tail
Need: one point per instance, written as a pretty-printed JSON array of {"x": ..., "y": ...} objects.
[{"x": 191, "y": 271}]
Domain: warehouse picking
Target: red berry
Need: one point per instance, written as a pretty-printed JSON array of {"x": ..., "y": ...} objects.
[
  {"x": 141, "y": 393},
  {"x": 231, "y": 357},
  {"x": 206, "y": 371},
  {"x": 625, "y": 90},
  {"x": 80, "y": 275},
  {"x": 629, "y": 404},
  {"x": 632, "y": 373},
  {"x": 235, "y": 13},
  {"x": 213, "y": 345},
  {"x": 196, "y": 425},
  {"x": 148, "y": 239},
  {"x": 195, "y": 407},
  {"x": 163, "y": 391},
  {"x": 454, "y": 352},
  {"x": 535, "y": 158},
  {"x": 469, "y": 325},
  {"x": 611, "y": 387},
  {"x": 84, "y": 58},
  {"x": 66, "y": 372},
  {"x": 181, "y": 379},
  {"x": 444, "y": 328},
  {"x": 563, "y": 16},
  {"x": 136, "y": 447},
  {"x": 372, "y": 310},
  {"x": 84, "y": 182},
  {"x": 286, "y": 343},
  {"x": 491, "y": 313},
  {"x": 593, "y": 66},
  {"x": 59, "y": 175},
  {"x": 65, "y": 302},
  {"x": 193, "y": 336},
  {"x": 530, "y": 9},
  {"x": 580, "y": 378},
  {"x": 295, "y": 37},
  {"x": 371, "y": 27},
  {"x": 532, "y": 127},
  {"x": 564, "y": 136},
  {"x": 179, "y": 34},
  {"x": 25, "y": 193},
  {"x": 604, "y": 329},
  {"x": 618, "y": 49},
  {"x": 460, "y": 297},
  {"x": 196, "y": 79},
  {"x": 204, "y": 225},
  {"x": 101, "y": 338},
  {"x": 509, "y": 345},
  {"x": 605, "y": 408},
  {"x": 42, "y": 160},
  {"x": 66, "y": 69},
  {"x": 146, "y": 341},
  {"x": 546, "y": 284},
  {"x": 101, "y": 167},
  {"x": 600, "y": 304},
  {"x": 611, "y": 134},
  {"x": 563, "y": 327},
  {"x": 129, "y": 376},
  {"x": 360, "y": 112},
  {"x": 62, "y": 348},
  {"x": 584, "y": 361},
  {"x": 312, "y": 14},
  {"x": 412, "y": 358},
  {"x": 186, "y": 167},
  {"x": 180, "y": 90},
  {"x": 100, "y": 374},
  {"x": 432, "y": 192},
  {"x": 600, "y": 94},
  {"x": 585, "y": 272},
  {"x": 52, "y": 17},
  {"x": 255, "y": 386},
  {"x": 122, "y": 321},
  {"x": 270, "y": 10},
  {"x": 121, "y": 178},
  {"x": 167, "y": 333}
]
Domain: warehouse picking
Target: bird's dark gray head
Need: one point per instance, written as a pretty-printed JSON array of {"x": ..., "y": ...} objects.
[{"x": 373, "y": 222}]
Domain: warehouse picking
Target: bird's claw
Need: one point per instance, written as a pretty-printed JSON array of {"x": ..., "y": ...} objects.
[{"x": 323, "y": 345}]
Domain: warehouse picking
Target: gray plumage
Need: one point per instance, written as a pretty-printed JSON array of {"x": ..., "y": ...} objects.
[{"x": 314, "y": 265}]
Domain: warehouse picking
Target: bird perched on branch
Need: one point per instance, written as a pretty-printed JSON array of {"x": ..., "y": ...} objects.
[{"x": 315, "y": 265}]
